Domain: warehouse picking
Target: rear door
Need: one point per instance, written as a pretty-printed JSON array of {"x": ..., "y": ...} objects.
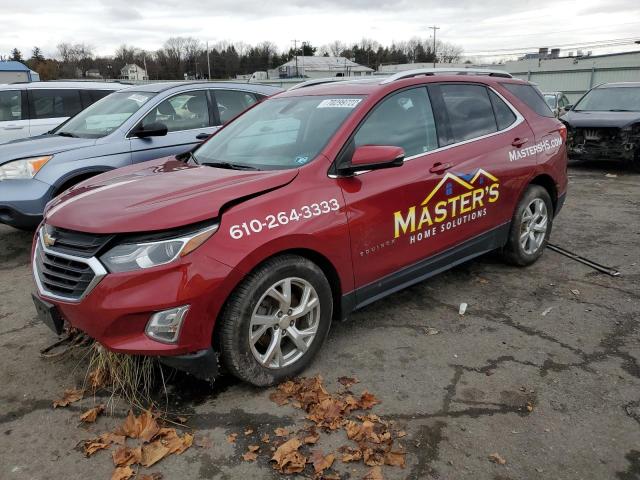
[
  {"x": 483, "y": 132},
  {"x": 14, "y": 118},
  {"x": 188, "y": 119},
  {"x": 48, "y": 108},
  {"x": 231, "y": 103}
]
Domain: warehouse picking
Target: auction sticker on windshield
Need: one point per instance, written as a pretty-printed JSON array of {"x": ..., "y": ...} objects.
[{"x": 339, "y": 103}]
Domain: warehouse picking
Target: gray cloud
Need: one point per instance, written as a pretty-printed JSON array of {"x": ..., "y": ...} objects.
[{"x": 476, "y": 26}]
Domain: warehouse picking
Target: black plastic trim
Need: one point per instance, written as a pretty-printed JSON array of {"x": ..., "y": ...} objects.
[
  {"x": 202, "y": 364},
  {"x": 483, "y": 243}
]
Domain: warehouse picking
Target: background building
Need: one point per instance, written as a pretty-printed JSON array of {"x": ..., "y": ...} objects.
[
  {"x": 11, "y": 72},
  {"x": 319, "y": 67},
  {"x": 131, "y": 71},
  {"x": 575, "y": 73}
]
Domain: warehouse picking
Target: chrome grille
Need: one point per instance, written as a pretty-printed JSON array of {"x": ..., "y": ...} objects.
[{"x": 62, "y": 276}]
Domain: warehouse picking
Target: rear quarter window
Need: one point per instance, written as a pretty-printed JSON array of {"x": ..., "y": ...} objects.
[
  {"x": 531, "y": 97},
  {"x": 54, "y": 103}
]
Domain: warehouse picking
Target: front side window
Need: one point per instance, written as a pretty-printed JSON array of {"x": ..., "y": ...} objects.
[
  {"x": 10, "y": 105},
  {"x": 469, "y": 111},
  {"x": 185, "y": 111},
  {"x": 404, "y": 119},
  {"x": 551, "y": 100},
  {"x": 613, "y": 99},
  {"x": 54, "y": 103},
  {"x": 279, "y": 133},
  {"x": 531, "y": 97},
  {"x": 232, "y": 103},
  {"x": 104, "y": 116}
]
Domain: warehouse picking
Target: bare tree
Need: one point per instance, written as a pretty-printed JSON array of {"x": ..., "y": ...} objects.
[
  {"x": 335, "y": 48},
  {"x": 448, "y": 52}
]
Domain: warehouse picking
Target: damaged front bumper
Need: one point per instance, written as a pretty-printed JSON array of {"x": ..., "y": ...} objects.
[{"x": 604, "y": 143}]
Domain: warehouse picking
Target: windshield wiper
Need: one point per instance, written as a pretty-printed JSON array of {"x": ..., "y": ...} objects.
[
  {"x": 66, "y": 134},
  {"x": 229, "y": 165}
]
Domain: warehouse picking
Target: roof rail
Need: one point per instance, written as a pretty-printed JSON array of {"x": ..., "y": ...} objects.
[
  {"x": 321, "y": 81},
  {"x": 445, "y": 71}
]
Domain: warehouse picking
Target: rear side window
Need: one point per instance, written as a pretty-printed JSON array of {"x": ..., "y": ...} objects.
[
  {"x": 405, "y": 119},
  {"x": 186, "y": 111},
  {"x": 531, "y": 97},
  {"x": 469, "y": 110},
  {"x": 54, "y": 103},
  {"x": 10, "y": 105},
  {"x": 504, "y": 115},
  {"x": 232, "y": 103}
]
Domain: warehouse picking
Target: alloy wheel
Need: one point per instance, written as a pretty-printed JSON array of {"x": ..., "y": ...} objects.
[
  {"x": 284, "y": 323},
  {"x": 534, "y": 225}
]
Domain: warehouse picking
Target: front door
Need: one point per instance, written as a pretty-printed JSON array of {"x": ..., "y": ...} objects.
[{"x": 188, "y": 122}]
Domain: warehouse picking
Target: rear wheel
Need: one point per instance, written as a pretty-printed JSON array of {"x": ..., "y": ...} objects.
[
  {"x": 276, "y": 320},
  {"x": 530, "y": 227}
]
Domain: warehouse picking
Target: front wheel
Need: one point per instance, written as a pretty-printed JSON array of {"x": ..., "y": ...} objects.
[
  {"x": 276, "y": 320},
  {"x": 530, "y": 227}
]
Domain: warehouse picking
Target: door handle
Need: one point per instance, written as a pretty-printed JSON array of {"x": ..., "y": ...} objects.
[
  {"x": 202, "y": 136},
  {"x": 518, "y": 142},
  {"x": 440, "y": 167}
]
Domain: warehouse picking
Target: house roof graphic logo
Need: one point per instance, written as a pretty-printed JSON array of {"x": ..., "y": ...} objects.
[{"x": 476, "y": 178}]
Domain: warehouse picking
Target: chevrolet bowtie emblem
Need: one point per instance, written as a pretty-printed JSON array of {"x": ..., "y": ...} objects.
[{"x": 49, "y": 241}]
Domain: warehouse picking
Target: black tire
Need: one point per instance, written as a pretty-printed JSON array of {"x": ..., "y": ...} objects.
[
  {"x": 513, "y": 252},
  {"x": 234, "y": 330}
]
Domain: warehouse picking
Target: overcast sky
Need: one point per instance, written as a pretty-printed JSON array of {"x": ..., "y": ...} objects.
[{"x": 475, "y": 25}]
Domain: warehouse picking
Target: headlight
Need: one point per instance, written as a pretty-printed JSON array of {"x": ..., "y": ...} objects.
[
  {"x": 25, "y": 168},
  {"x": 135, "y": 256}
]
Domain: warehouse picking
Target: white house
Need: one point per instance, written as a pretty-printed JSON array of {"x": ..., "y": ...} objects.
[
  {"x": 319, "y": 67},
  {"x": 132, "y": 71}
]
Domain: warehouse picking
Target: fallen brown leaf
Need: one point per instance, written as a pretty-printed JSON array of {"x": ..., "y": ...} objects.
[
  {"x": 97, "y": 378},
  {"x": 248, "y": 431},
  {"x": 279, "y": 398},
  {"x": 143, "y": 426},
  {"x": 395, "y": 459},
  {"x": 401, "y": 434},
  {"x": 281, "y": 432},
  {"x": 91, "y": 446},
  {"x": 125, "y": 456},
  {"x": 320, "y": 462},
  {"x": 249, "y": 456},
  {"x": 265, "y": 438},
  {"x": 350, "y": 454},
  {"x": 232, "y": 438},
  {"x": 90, "y": 415},
  {"x": 153, "y": 452},
  {"x": 110, "y": 438},
  {"x": 368, "y": 400},
  {"x": 177, "y": 444},
  {"x": 70, "y": 395},
  {"x": 288, "y": 459},
  {"x": 122, "y": 473},
  {"x": 497, "y": 458},
  {"x": 347, "y": 381}
]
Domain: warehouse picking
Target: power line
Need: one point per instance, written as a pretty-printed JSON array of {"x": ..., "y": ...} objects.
[{"x": 595, "y": 44}]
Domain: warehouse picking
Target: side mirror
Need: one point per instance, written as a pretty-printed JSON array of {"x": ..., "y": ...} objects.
[
  {"x": 373, "y": 157},
  {"x": 155, "y": 129}
]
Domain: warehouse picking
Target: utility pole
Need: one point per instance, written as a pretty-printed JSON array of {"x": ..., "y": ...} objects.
[
  {"x": 208, "y": 63},
  {"x": 295, "y": 53},
  {"x": 434, "y": 28}
]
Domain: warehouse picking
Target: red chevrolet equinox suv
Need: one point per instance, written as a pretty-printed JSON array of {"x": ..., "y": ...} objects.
[{"x": 313, "y": 203}]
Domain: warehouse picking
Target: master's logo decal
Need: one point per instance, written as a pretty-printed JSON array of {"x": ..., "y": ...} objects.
[{"x": 466, "y": 198}]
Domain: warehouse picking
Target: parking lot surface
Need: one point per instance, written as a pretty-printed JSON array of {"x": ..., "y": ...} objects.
[{"x": 543, "y": 368}]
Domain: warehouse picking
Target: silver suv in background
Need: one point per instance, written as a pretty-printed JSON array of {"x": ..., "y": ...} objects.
[
  {"x": 30, "y": 109},
  {"x": 133, "y": 125}
]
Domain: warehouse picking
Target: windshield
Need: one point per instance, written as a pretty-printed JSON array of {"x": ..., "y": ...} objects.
[
  {"x": 616, "y": 99},
  {"x": 279, "y": 133},
  {"x": 550, "y": 99},
  {"x": 104, "y": 116}
]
